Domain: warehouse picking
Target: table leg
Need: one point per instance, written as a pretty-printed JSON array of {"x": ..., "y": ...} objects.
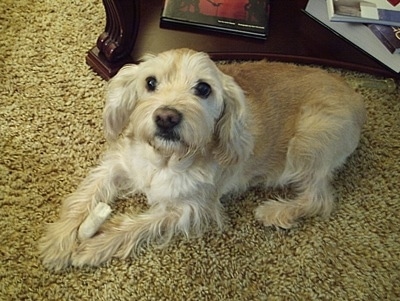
[{"x": 115, "y": 44}]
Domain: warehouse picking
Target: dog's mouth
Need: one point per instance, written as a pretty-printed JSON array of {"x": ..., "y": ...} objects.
[
  {"x": 167, "y": 141},
  {"x": 168, "y": 136}
]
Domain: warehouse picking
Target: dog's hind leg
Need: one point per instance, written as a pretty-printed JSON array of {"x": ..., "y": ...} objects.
[
  {"x": 125, "y": 235},
  {"x": 315, "y": 199},
  {"x": 321, "y": 144},
  {"x": 60, "y": 238}
]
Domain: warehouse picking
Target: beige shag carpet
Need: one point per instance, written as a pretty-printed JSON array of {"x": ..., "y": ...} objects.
[{"x": 51, "y": 134}]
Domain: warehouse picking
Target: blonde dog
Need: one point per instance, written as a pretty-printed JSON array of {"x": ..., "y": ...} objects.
[{"x": 185, "y": 132}]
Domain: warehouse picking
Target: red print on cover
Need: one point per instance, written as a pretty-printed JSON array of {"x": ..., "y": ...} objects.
[{"x": 393, "y": 2}]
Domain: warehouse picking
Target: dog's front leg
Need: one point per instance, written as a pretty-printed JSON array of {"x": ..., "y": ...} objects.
[
  {"x": 60, "y": 238},
  {"x": 125, "y": 235}
]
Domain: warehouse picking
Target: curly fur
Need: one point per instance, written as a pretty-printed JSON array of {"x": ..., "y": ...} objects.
[{"x": 263, "y": 123}]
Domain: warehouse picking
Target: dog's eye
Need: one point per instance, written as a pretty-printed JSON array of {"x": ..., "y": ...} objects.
[
  {"x": 151, "y": 83},
  {"x": 202, "y": 89}
]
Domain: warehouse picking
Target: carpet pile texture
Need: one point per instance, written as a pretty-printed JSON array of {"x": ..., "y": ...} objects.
[{"x": 51, "y": 135}]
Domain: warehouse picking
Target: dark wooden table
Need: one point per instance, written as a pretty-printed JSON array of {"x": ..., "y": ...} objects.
[{"x": 132, "y": 29}]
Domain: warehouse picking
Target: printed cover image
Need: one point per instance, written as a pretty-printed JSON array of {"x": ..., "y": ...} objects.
[{"x": 251, "y": 11}]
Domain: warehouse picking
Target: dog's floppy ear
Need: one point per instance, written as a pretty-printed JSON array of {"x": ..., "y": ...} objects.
[
  {"x": 234, "y": 141},
  {"x": 120, "y": 101}
]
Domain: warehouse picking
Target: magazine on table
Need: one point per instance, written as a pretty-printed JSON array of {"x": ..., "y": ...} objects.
[
  {"x": 356, "y": 33},
  {"x": 388, "y": 35},
  {"x": 241, "y": 17},
  {"x": 384, "y": 12}
]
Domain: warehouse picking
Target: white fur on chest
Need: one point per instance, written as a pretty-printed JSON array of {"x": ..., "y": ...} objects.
[{"x": 169, "y": 180}]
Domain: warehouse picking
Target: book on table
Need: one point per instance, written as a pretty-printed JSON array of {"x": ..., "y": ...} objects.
[
  {"x": 357, "y": 34},
  {"x": 388, "y": 35},
  {"x": 384, "y": 12},
  {"x": 241, "y": 17}
]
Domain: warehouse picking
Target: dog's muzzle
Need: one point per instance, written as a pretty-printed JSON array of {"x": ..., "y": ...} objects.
[{"x": 167, "y": 119}]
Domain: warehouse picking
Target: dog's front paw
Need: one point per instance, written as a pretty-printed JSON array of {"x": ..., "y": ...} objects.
[
  {"x": 274, "y": 213},
  {"x": 94, "y": 251},
  {"x": 57, "y": 245}
]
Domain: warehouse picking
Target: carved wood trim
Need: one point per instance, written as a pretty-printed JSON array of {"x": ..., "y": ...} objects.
[{"x": 115, "y": 44}]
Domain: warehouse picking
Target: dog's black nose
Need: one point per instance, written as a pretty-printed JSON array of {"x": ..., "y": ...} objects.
[{"x": 167, "y": 118}]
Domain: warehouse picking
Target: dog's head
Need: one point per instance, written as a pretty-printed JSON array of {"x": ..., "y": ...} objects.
[{"x": 180, "y": 103}]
